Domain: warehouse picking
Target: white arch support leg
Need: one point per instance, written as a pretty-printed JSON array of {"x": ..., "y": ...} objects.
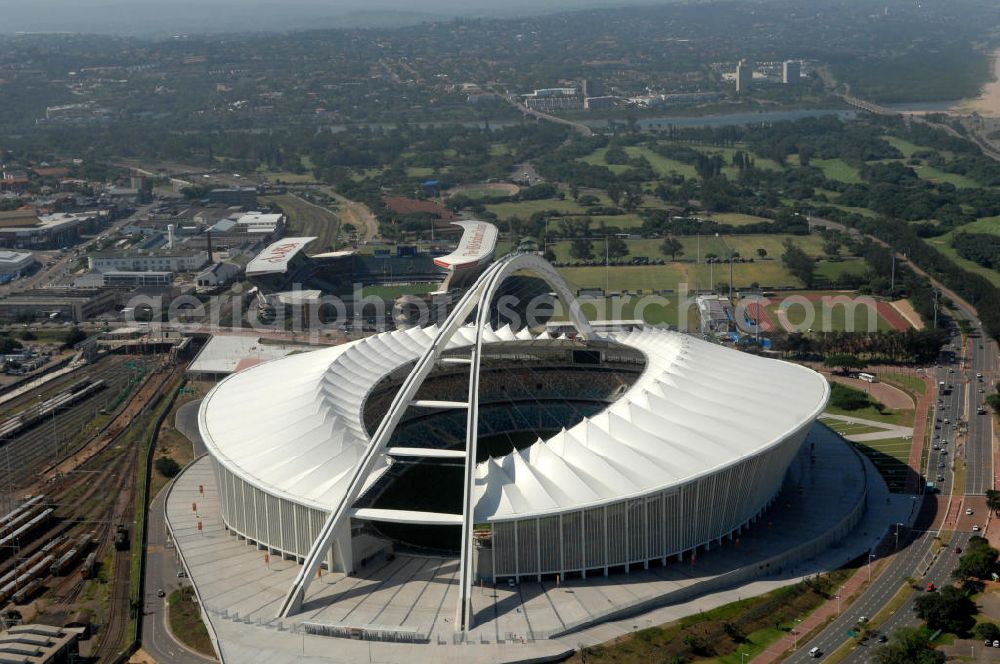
[{"x": 480, "y": 295}]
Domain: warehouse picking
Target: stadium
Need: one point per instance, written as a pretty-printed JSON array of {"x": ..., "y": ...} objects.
[{"x": 519, "y": 453}]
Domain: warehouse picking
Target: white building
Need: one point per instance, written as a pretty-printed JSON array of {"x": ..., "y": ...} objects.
[
  {"x": 13, "y": 264},
  {"x": 260, "y": 222},
  {"x": 142, "y": 261}
]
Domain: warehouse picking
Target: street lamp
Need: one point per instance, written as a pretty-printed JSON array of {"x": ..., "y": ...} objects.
[
  {"x": 795, "y": 634},
  {"x": 838, "y": 604},
  {"x": 742, "y": 656}
]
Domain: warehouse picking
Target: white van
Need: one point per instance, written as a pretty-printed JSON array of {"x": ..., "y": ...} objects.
[{"x": 814, "y": 652}]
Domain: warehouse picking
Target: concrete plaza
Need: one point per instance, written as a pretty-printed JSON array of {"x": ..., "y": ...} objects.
[{"x": 832, "y": 508}]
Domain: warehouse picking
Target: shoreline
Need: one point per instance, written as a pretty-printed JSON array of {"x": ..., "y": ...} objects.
[{"x": 987, "y": 104}]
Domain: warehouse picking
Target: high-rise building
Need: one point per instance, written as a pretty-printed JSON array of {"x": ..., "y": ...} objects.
[
  {"x": 791, "y": 71},
  {"x": 744, "y": 77}
]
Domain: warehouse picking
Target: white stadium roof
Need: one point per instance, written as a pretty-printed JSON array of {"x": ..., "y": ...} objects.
[
  {"x": 479, "y": 240},
  {"x": 293, "y": 427},
  {"x": 274, "y": 259}
]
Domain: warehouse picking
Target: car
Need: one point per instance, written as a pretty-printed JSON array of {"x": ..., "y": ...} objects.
[
  {"x": 996, "y": 644},
  {"x": 958, "y": 549},
  {"x": 815, "y": 653},
  {"x": 511, "y": 583},
  {"x": 942, "y": 464},
  {"x": 937, "y": 447},
  {"x": 987, "y": 643},
  {"x": 940, "y": 478},
  {"x": 968, "y": 511},
  {"x": 944, "y": 452},
  {"x": 931, "y": 587},
  {"x": 862, "y": 620},
  {"x": 160, "y": 592},
  {"x": 975, "y": 528},
  {"x": 882, "y": 638}
]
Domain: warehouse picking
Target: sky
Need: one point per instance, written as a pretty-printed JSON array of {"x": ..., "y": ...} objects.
[{"x": 149, "y": 17}]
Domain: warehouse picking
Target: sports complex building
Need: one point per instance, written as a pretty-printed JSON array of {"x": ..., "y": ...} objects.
[{"x": 522, "y": 454}]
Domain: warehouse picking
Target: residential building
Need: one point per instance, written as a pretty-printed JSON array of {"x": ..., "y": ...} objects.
[
  {"x": 744, "y": 77},
  {"x": 791, "y": 72}
]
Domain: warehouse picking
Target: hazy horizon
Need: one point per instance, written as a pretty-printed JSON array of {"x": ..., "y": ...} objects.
[{"x": 221, "y": 16}]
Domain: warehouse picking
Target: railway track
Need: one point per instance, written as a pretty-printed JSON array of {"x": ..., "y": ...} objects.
[
  {"x": 93, "y": 486},
  {"x": 24, "y": 455}
]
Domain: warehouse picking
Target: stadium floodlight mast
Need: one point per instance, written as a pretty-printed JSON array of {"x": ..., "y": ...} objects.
[{"x": 336, "y": 529}]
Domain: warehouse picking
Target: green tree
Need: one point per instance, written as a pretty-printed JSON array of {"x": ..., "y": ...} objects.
[
  {"x": 993, "y": 500},
  {"x": 908, "y": 646},
  {"x": 761, "y": 252},
  {"x": 979, "y": 561},
  {"x": 799, "y": 263},
  {"x": 167, "y": 466},
  {"x": 843, "y": 361},
  {"x": 581, "y": 248},
  {"x": 617, "y": 248},
  {"x": 74, "y": 336},
  {"x": 949, "y": 610},
  {"x": 672, "y": 247},
  {"x": 987, "y": 631}
]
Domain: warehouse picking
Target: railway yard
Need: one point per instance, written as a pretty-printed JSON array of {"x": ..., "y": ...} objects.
[{"x": 72, "y": 467}]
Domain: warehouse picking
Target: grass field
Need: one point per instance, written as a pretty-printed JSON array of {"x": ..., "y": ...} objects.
[
  {"x": 736, "y": 218},
  {"x": 833, "y": 269},
  {"x": 850, "y": 428},
  {"x": 307, "y": 219},
  {"x": 662, "y": 164},
  {"x": 396, "y": 290},
  {"x": 943, "y": 244},
  {"x": 890, "y": 456},
  {"x": 723, "y": 635},
  {"x": 987, "y": 225},
  {"x": 932, "y": 174},
  {"x": 837, "y": 169},
  {"x": 525, "y": 209},
  {"x": 813, "y": 314},
  {"x": 186, "y": 623}
]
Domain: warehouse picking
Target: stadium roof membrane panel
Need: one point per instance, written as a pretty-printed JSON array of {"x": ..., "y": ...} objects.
[{"x": 294, "y": 426}]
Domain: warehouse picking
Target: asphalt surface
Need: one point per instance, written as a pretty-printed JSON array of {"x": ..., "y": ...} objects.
[
  {"x": 919, "y": 559},
  {"x": 162, "y": 565}
]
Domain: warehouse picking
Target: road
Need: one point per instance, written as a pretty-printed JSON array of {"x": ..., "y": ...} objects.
[
  {"x": 162, "y": 566},
  {"x": 960, "y": 511}
]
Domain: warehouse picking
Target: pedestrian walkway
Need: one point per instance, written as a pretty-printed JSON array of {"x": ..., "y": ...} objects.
[
  {"x": 853, "y": 587},
  {"x": 920, "y": 418}
]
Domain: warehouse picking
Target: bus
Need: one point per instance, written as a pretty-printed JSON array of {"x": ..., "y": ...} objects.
[{"x": 868, "y": 377}]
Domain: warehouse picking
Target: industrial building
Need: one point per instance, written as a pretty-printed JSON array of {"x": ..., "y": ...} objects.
[
  {"x": 14, "y": 264},
  {"x": 39, "y": 644},
  {"x": 26, "y": 229},
  {"x": 63, "y": 304},
  {"x": 163, "y": 260}
]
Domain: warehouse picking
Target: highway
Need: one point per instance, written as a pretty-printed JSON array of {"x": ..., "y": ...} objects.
[{"x": 961, "y": 511}]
